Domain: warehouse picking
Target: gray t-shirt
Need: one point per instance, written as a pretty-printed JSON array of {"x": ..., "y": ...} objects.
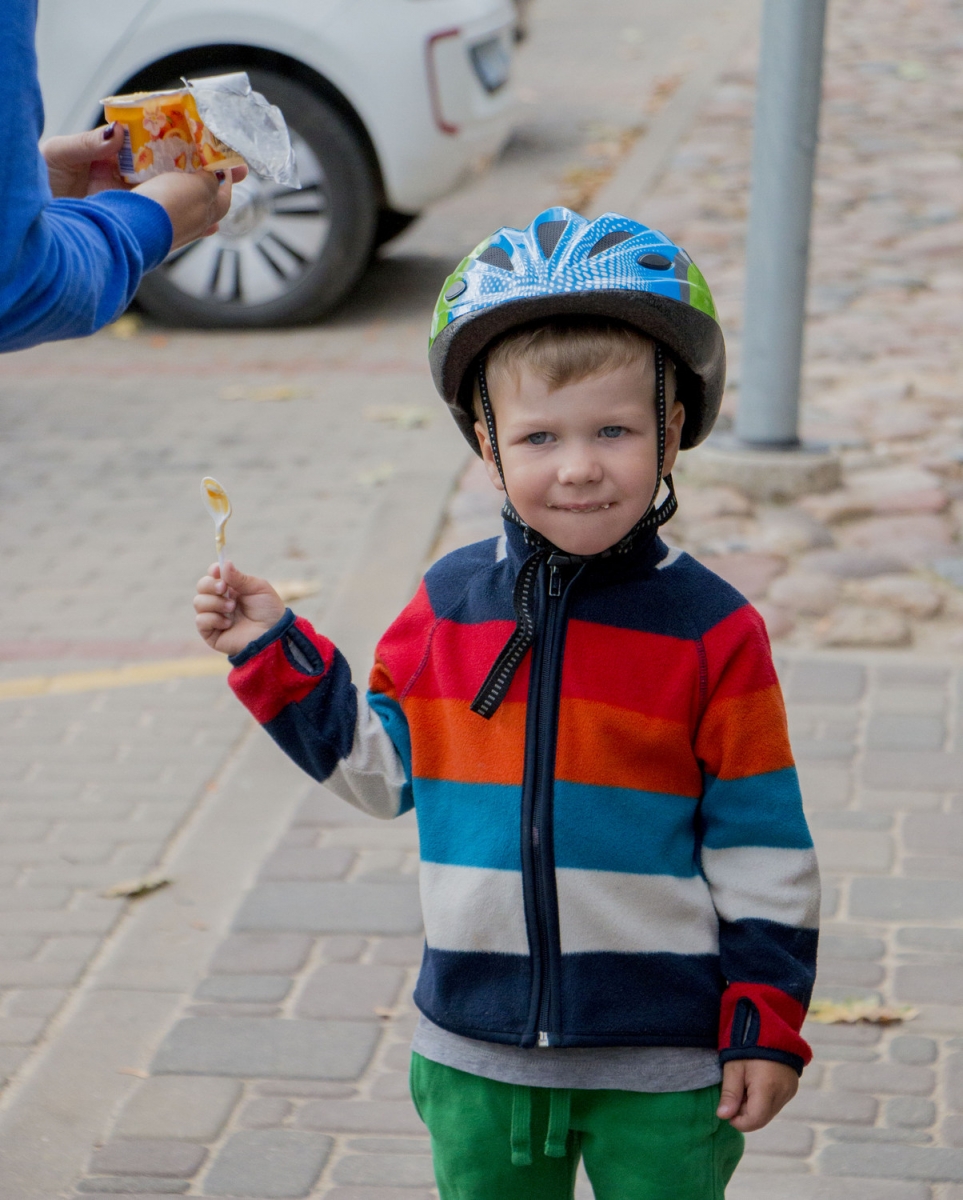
[{"x": 626, "y": 1068}]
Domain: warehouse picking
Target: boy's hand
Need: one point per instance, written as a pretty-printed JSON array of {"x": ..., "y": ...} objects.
[
  {"x": 753, "y": 1091},
  {"x": 234, "y": 610}
]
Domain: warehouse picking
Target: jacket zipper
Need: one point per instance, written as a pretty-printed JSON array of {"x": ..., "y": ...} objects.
[{"x": 538, "y": 796}]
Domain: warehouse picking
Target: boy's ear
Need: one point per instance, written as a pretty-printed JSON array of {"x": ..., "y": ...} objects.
[
  {"x": 673, "y": 435},
  {"x": 488, "y": 458}
]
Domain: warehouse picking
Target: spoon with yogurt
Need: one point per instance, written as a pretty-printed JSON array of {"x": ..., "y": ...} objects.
[{"x": 219, "y": 506}]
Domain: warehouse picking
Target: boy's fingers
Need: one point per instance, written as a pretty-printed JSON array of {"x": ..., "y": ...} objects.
[
  {"x": 243, "y": 585},
  {"x": 211, "y": 584},
  {"x": 758, "y": 1112},
  {"x": 733, "y": 1089},
  {"x": 208, "y": 623},
  {"x": 218, "y": 604}
]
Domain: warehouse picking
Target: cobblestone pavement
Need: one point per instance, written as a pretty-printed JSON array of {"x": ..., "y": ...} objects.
[
  {"x": 273, "y": 1063},
  {"x": 879, "y": 561}
]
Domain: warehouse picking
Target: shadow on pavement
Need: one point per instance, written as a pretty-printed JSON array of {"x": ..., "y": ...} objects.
[{"x": 397, "y": 288}]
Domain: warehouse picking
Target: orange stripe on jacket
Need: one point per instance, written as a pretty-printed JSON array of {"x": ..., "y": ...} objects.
[
  {"x": 449, "y": 741},
  {"x": 613, "y": 747},
  {"x": 745, "y": 735}
]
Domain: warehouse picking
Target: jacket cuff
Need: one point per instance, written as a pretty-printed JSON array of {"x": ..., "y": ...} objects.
[
  {"x": 759, "y": 1021},
  {"x": 780, "y": 1056},
  {"x": 281, "y": 667},
  {"x": 271, "y": 635}
]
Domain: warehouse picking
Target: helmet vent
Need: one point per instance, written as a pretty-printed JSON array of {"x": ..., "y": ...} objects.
[
  {"x": 549, "y": 233},
  {"x": 610, "y": 239},
  {"x": 495, "y": 256},
  {"x": 655, "y": 262}
]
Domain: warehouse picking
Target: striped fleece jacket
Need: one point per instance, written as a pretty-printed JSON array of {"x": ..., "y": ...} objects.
[{"x": 618, "y": 856}]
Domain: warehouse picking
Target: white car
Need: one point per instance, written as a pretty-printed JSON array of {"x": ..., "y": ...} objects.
[{"x": 390, "y": 103}]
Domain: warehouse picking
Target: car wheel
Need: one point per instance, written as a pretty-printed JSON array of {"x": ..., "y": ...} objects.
[{"x": 280, "y": 257}]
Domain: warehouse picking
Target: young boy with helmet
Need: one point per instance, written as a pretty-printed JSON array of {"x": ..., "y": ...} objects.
[{"x": 619, "y": 888}]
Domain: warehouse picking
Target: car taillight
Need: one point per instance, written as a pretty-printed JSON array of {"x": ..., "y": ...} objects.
[{"x": 434, "y": 88}]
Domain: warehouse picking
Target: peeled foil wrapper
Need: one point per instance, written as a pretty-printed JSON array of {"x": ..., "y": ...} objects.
[{"x": 244, "y": 120}]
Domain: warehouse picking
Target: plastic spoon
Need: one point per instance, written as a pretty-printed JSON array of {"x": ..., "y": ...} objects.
[{"x": 219, "y": 506}]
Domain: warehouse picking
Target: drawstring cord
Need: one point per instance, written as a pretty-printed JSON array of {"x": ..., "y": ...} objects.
[
  {"x": 498, "y": 680},
  {"x": 559, "y": 1119},
  {"x": 521, "y": 1126}
]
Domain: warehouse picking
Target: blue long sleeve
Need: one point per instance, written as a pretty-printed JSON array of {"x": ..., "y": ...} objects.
[{"x": 67, "y": 267}]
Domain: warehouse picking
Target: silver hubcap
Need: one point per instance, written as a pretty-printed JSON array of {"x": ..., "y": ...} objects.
[{"x": 265, "y": 244}]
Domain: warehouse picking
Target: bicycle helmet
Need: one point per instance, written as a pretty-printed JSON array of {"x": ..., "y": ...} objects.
[{"x": 565, "y": 265}]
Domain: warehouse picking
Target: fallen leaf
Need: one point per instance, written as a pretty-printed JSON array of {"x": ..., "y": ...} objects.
[
  {"x": 384, "y": 1013},
  {"x": 855, "y": 1012},
  {"x": 296, "y": 589},
  {"x": 137, "y": 887},
  {"x": 201, "y": 925},
  {"x": 404, "y": 416},
  {"x": 277, "y": 391},
  {"x": 912, "y": 72},
  {"x": 126, "y": 326},
  {"x": 158, "y": 341},
  {"x": 377, "y": 475},
  {"x": 137, "y": 1072},
  {"x": 274, "y": 391}
]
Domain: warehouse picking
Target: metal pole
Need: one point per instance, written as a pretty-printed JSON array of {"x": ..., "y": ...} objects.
[{"x": 777, "y": 251}]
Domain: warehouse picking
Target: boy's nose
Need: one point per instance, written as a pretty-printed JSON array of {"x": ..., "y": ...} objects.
[{"x": 579, "y": 466}]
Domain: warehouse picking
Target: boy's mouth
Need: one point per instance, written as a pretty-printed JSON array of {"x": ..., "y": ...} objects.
[{"x": 581, "y": 508}]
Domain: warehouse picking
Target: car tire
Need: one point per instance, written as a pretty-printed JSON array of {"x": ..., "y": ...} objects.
[{"x": 281, "y": 257}]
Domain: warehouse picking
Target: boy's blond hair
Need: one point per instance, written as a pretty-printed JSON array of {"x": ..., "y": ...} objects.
[{"x": 564, "y": 351}]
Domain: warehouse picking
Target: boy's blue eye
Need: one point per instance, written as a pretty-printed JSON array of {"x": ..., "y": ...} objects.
[
  {"x": 538, "y": 439},
  {"x": 612, "y": 431}
]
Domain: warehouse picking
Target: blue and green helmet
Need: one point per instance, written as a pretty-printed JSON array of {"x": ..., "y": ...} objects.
[{"x": 563, "y": 265}]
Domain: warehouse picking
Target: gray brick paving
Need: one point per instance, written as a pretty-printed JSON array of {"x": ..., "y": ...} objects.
[
  {"x": 247, "y": 1046},
  {"x": 133, "y": 1185},
  {"x": 331, "y": 908},
  {"x": 268, "y": 1163},
  {"x": 182, "y": 1108},
  {"x": 154, "y": 1156}
]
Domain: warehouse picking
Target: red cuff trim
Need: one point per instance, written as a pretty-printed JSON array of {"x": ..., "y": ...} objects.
[
  {"x": 775, "y": 1024},
  {"x": 271, "y": 680}
]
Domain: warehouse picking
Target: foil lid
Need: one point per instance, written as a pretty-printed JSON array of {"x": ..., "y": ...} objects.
[{"x": 245, "y": 121}]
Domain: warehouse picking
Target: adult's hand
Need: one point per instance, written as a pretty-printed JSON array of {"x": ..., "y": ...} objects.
[
  {"x": 194, "y": 202},
  {"x": 82, "y": 164}
]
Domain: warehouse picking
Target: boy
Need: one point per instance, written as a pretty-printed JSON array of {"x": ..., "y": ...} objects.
[{"x": 618, "y": 885}]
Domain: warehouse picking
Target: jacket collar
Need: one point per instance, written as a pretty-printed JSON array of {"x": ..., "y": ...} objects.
[{"x": 644, "y": 553}]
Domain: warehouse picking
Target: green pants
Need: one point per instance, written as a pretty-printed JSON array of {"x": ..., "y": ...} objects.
[{"x": 498, "y": 1141}]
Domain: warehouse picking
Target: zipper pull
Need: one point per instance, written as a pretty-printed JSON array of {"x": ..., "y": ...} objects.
[
  {"x": 554, "y": 580},
  {"x": 542, "y": 1040}
]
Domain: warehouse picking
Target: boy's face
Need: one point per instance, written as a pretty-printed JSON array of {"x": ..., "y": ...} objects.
[{"x": 580, "y": 462}]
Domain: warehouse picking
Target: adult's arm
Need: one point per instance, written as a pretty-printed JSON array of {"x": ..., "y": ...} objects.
[{"x": 67, "y": 267}]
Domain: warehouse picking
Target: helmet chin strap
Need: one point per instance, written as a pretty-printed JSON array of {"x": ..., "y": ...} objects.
[{"x": 652, "y": 518}]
